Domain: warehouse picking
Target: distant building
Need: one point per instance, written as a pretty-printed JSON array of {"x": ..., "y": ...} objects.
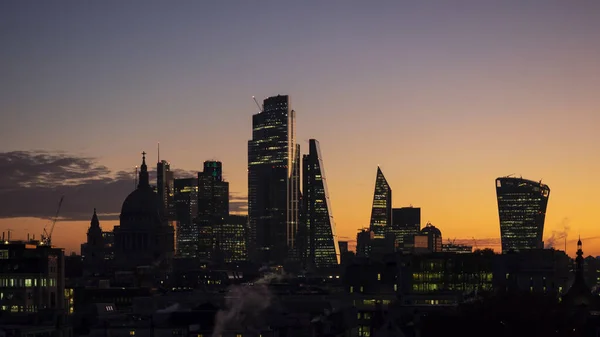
[
  {"x": 32, "y": 278},
  {"x": 143, "y": 238},
  {"x": 213, "y": 206},
  {"x": 343, "y": 246},
  {"x": 93, "y": 250},
  {"x": 406, "y": 223},
  {"x": 363, "y": 242},
  {"x": 522, "y": 210},
  {"x": 322, "y": 245},
  {"x": 381, "y": 213},
  {"x": 165, "y": 187},
  {"x": 186, "y": 211},
  {"x": 231, "y": 239},
  {"x": 434, "y": 237},
  {"x": 456, "y": 248},
  {"x": 273, "y": 181}
]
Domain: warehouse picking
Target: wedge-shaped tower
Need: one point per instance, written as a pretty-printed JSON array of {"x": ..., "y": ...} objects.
[
  {"x": 381, "y": 214},
  {"x": 522, "y": 207},
  {"x": 322, "y": 247}
]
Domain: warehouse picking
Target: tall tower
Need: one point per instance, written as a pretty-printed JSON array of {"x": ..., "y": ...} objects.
[
  {"x": 186, "y": 210},
  {"x": 381, "y": 213},
  {"x": 165, "y": 188},
  {"x": 213, "y": 207},
  {"x": 522, "y": 210},
  {"x": 273, "y": 181},
  {"x": 93, "y": 250},
  {"x": 323, "y": 248}
]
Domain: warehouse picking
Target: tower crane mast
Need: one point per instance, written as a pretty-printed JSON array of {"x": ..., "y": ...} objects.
[{"x": 47, "y": 235}]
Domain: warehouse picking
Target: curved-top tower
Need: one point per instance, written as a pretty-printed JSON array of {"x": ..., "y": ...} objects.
[{"x": 522, "y": 207}]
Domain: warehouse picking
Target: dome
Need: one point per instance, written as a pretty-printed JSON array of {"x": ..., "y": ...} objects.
[
  {"x": 142, "y": 201},
  {"x": 429, "y": 228}
]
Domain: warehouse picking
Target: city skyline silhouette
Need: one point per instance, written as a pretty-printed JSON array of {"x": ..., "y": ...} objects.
[{"x": 445, "y": 99}]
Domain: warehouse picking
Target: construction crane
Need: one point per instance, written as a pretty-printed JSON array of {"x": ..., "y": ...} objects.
[
  {"x": 47, "y": 235},
  {"x": 260, "y": 109}
]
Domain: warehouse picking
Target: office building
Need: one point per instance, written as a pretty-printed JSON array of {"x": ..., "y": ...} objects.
[
  {"x": 323, "y": 248},
  {"x": 406, "y": 223},
  {"x": 213, "y": 206},
  {"x": 273, "y": 181},
  {"x": 381, "y": 213},
  {"x": 165, "y": 181},
  {"x": 32, "y": 277},
  {"x": 231, "y": 239},
  {"x": 522, "y": 211},
  {"x": 186, "y": 210}
]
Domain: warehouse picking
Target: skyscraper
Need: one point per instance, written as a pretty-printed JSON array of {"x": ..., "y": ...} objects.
[
  {"x": 381, "y": 213},
  {"x": 406, "y": 223},
  {"x": 323, "y": 248},
  {"x": 186, "y": 210},
  {"x": 213, "y": 206},
  {"x": 273, "y": 181},
  {"x": 165, "y": 188},
  {"x": 522, "y": 210}
]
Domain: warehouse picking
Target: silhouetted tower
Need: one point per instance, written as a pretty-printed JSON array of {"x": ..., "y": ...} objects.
[
  {"x": 273, "y": 181},
  {"x": 323, "y": 248},
  {"x": 213, "y": 207},
  {"x": 381, "y": 213},
  {"x": 93, "y": 250},
  {"x": 522, "y": 211}
]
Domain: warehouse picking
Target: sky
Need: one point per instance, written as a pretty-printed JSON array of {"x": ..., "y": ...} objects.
[{"x": 443, "y": 96}]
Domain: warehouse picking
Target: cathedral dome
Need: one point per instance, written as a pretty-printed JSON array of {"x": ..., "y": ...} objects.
[{"x": 143, "y": 202}]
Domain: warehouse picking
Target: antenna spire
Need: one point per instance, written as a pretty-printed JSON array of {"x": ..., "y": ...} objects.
[{"x": 158, "y": 145}]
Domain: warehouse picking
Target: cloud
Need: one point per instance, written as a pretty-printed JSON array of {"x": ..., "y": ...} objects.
[
  {"x": 32, "y": 183},
  {"x": 238, "y": 203}
]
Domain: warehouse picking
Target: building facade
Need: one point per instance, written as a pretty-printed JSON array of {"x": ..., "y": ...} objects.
[
  {"x": 522, "y": 211},
  {"x": 381, "y": 213},
  {"x": 213, "y": 207},
  {"x": 323, "y": 249},
  {"x": 186, "y": 211},
  {"x": 273, "y": 181},
  {"x": 406, "y": 223},
  {"x": 32, "y": 277}
]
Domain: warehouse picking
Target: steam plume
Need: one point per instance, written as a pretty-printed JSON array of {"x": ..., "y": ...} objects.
[
  {"x": 559, "y": 235},
  {"x": 244, "y": 305}
]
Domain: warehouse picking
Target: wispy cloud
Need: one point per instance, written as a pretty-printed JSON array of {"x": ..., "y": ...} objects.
[{"x": 32, "y": 182}]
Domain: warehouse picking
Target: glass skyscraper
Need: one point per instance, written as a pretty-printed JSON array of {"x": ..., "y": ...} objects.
[
  {"x": 213, "y": 207},
  {"x": 381, "y": 214},
  {"x": 323, "y": 249},
  {"x": 186, "y": 210},
  {"x": 522, "y": 210},
  {"x": 273, "y": 181}
]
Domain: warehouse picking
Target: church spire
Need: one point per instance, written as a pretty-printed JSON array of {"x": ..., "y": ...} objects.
[
  {"x": 144, "y": 180},
  {"x": 95, "y": 222},
  {"x": 579, "y": 260}
]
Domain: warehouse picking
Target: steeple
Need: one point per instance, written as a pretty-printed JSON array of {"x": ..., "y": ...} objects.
[
  {"x": 95, "y": 223},
  {"x": 579, "y": 260},
  {"x": 144, "y": 180}
]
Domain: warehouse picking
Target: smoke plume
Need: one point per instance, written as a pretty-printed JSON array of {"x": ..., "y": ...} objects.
[
  {"x": 559, "y": 236},
  {"x": 244, "y": 305}
]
